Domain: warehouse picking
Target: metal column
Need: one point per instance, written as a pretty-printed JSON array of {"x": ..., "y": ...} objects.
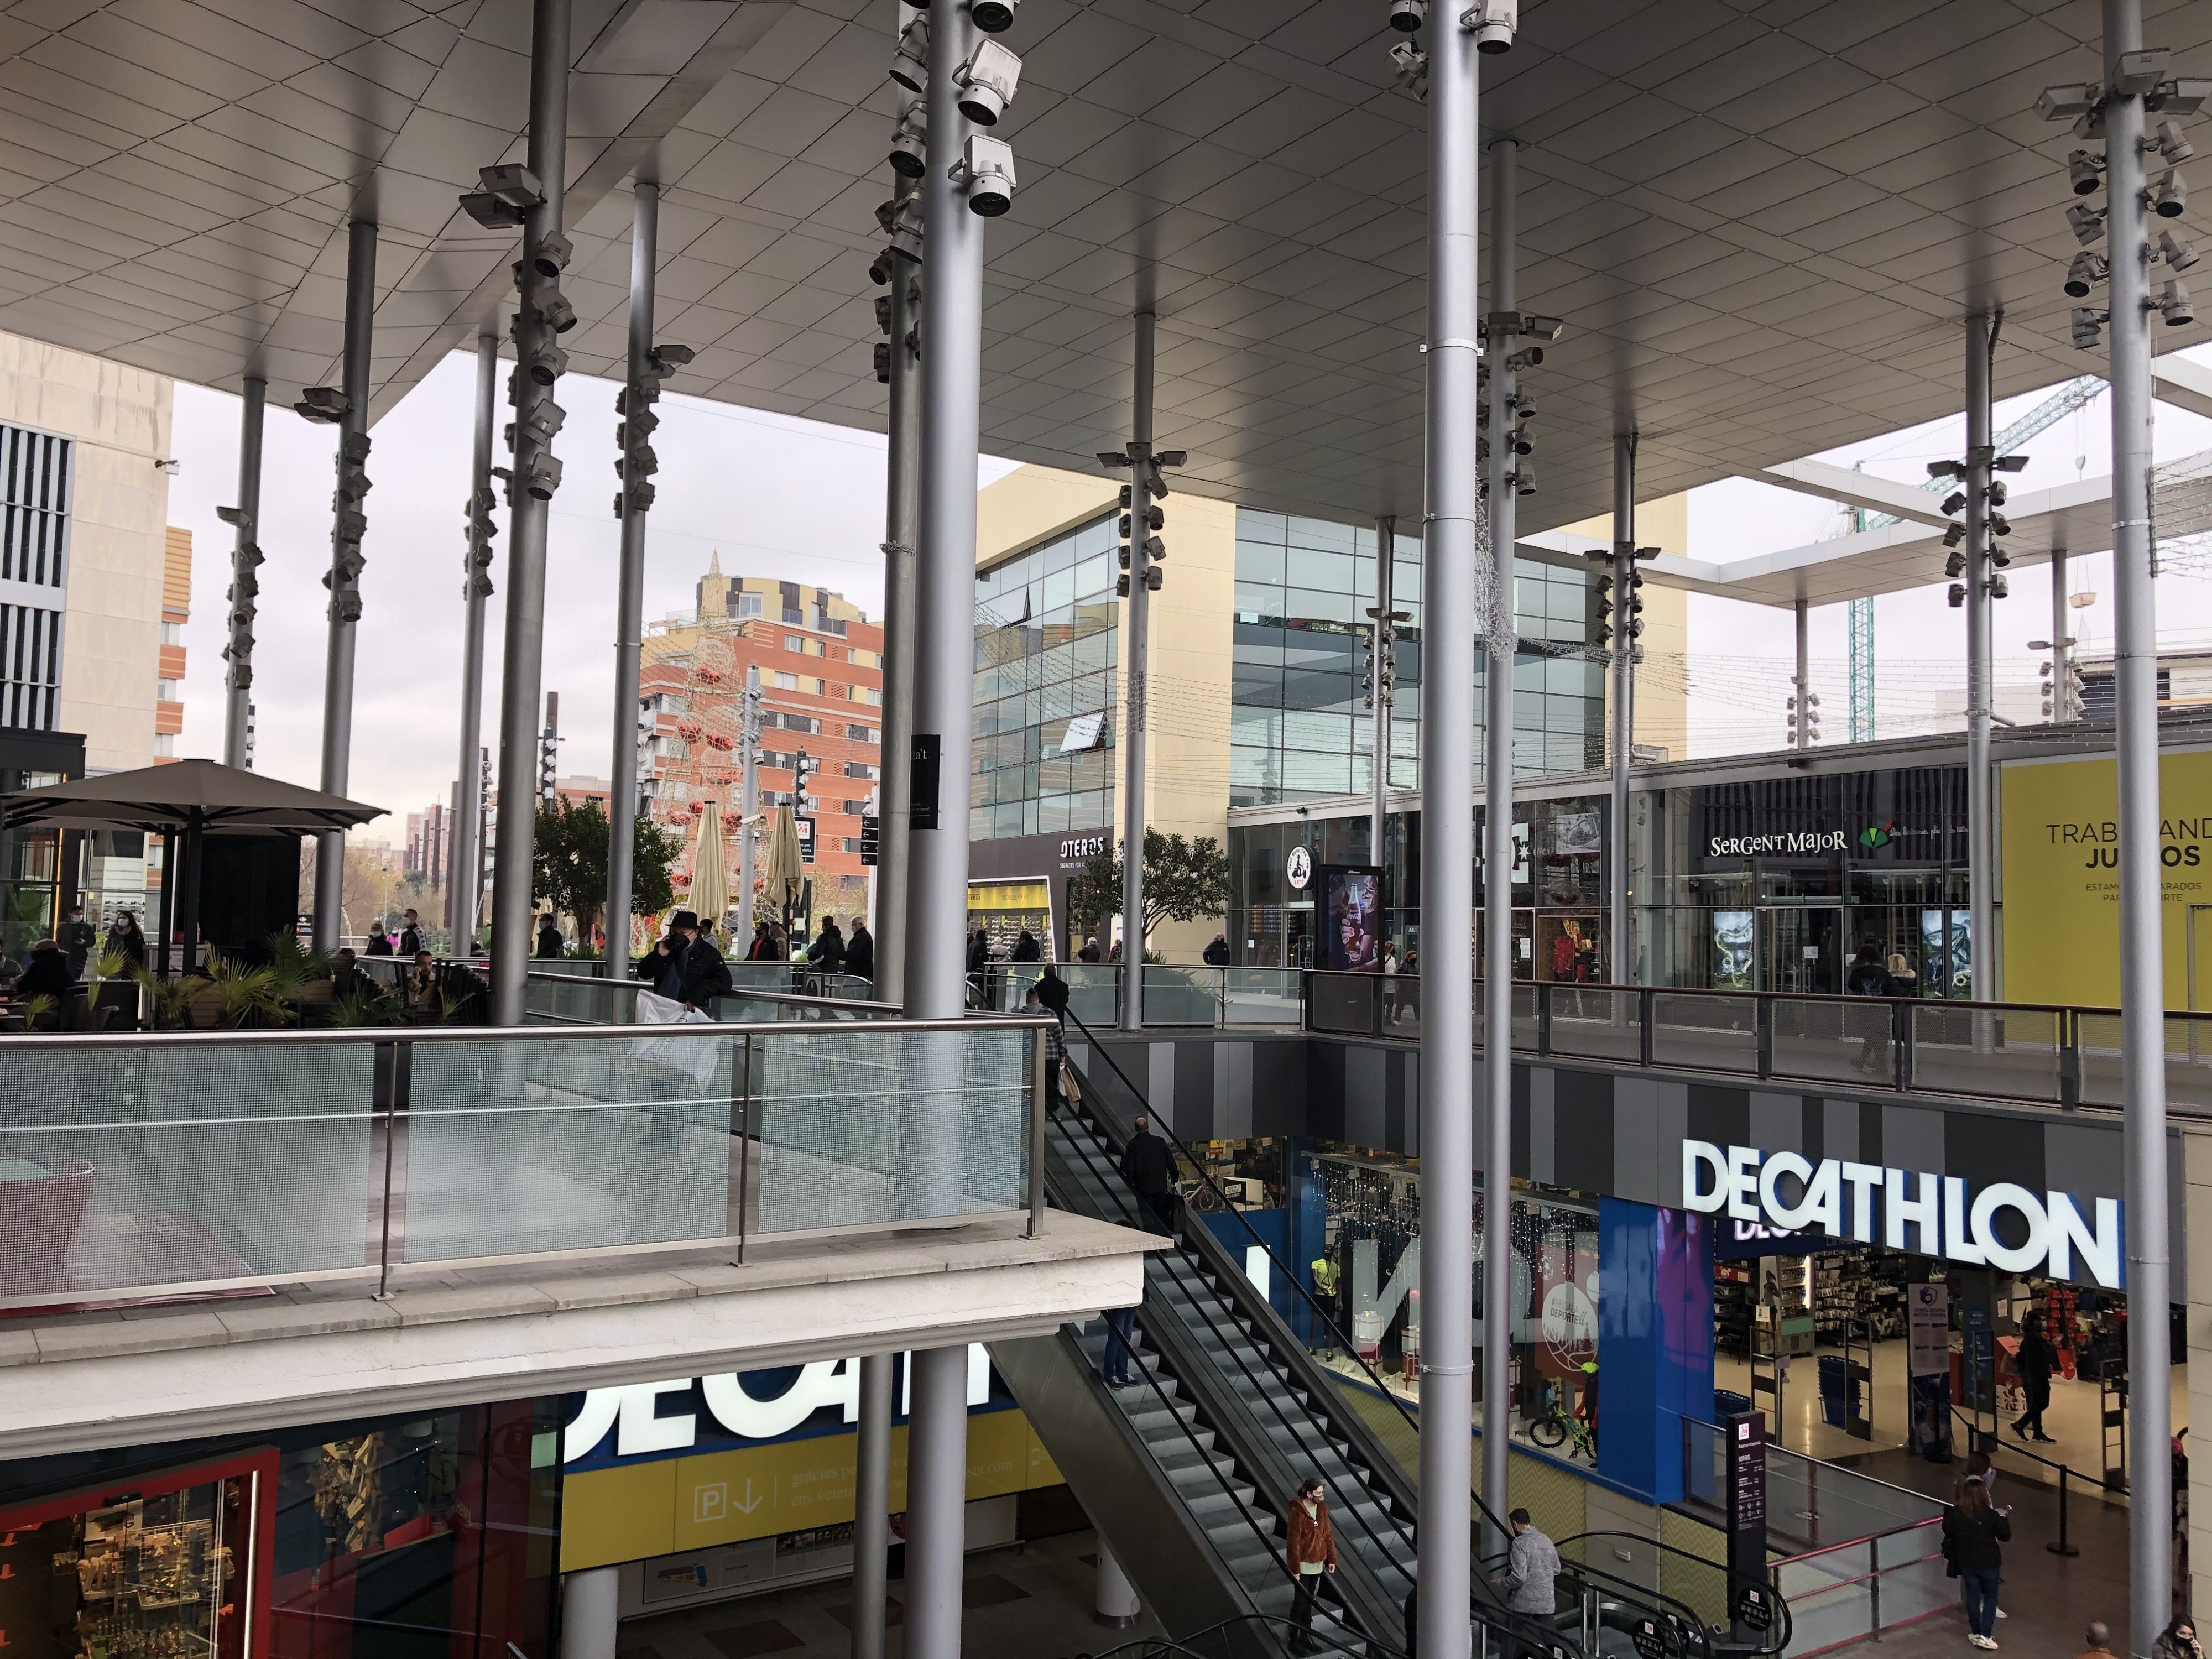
[
  {"x": 1980, "y": 666},
  {"x": 2061, "y": 644},
  {"x": 902, "y": 508},
  {"x": 1802, "y": 736},
  {"x": 2142, "y": 987},
  {"x": 629, "y": 604},
  {"x": 872, "y": 1505},
  {"x": 522, "y": 666},
  {"x": 1498, "y": 859},
  {"x": 1378, "y": 809},
  {"x": 1621, "y": 950},
  {"x": 465, "y": 871},
  {"x": 1138, "y": 623},
  {"x": 245, "y": 555},
  {"x": 344, "y": 577},
  {"x": 944, "y": 560},
  {"x": 936, "y": 1492},
  {"x": 748, "y": 800},
  {"x": 1450, "y": 545}
]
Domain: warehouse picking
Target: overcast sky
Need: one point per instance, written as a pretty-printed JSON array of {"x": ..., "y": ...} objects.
[{"x": 801, "y": 501}]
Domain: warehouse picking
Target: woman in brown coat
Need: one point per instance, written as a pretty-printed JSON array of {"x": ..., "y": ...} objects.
[{"x": 1312, "y": 1553}]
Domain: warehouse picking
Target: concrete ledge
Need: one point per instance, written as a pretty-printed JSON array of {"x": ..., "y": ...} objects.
[{"x": 83, "y": 1380}]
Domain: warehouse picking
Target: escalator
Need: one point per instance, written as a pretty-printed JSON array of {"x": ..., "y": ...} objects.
[{"x": 1190, "y": 1473}]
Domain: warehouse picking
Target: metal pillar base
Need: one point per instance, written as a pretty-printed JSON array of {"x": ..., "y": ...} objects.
[
  {"x": 936, "y": 1502},
  {"x": 591, "y": 1605}
]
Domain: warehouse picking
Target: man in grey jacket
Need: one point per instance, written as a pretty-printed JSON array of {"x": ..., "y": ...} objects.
[{"x": 1530, "y": 1567}]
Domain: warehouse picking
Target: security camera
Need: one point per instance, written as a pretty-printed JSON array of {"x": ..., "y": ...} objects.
[
  {"x": 2171, "y": 144},
  {"x": 2171, "y": 199},
  {"x": 1526, "y": 357},
  {"x": 910, "y": 142},
  {"x": 2178, "y": 252},
  {"x": 986, "y": 82},
  {"x": 1407, "y": 16},
  {"x": 2173, "y": 305},
  {"x": 2010, "y": 462},
  {"x": 1172, "y": 458},
  {"x": 990, "y": 173},
  {"x": 2087, "y": 223},
  {"x": 1547, "y": 328},
  {"x": 2089, "y": 268},
  {"x": 994, "y": 16},
  {"x": 667, "y": 357},
  {"x": 1954, "y": 501},
  {"x": 1946, "y": 468},
  {"x": 2086, "y": 171},
  {"x": 2066, "y": 103},
  {"x": 514, "y": 183},
  {"x": 910, "y": 62}
]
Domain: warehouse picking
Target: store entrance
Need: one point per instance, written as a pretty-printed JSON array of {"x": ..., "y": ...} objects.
[{"x": 1801, "y": 949}]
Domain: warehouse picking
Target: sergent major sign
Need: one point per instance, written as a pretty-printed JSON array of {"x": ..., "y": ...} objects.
[{"x": 1999, "y": 1225}]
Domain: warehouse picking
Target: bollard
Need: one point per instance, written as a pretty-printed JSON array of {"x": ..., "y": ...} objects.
[{"x": 2063, "y": 1547}]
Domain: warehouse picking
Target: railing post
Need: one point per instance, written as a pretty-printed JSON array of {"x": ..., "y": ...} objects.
[
  {"x": 2063, "y": 1547},
  {"x": 1874, "y": 1586},
  {"x": 1901, "y": 1035},
  {"x": 1037, "y": 1097},
  {"x": 1543, "y": 1015},
  {"x": 746, "y": 1148},
  {"x": 1647, "y": 1046},
  {"x": 1763, "y": 1021},
  {"x": 2070, "y": 1057}
]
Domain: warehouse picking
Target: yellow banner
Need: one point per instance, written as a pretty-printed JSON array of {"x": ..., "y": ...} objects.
[
  {"x": 642, "y": 1509},
  {"x": 2062, "y": 880}
]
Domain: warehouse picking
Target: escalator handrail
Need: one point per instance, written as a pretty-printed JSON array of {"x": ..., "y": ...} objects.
[
  {"x": 1245, "y": 1510},
  {"x": 1263, "y": 1388},
  {"x": 1146, "y": 1646},
  {"x": 1778, "y": 1638},
  {"x": 1228, "y": 1206}
]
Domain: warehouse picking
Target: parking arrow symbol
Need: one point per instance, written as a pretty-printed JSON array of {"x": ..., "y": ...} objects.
[{"x": 751, "y": 1502}]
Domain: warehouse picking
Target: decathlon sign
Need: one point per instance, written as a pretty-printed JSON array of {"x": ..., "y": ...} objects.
[{"x": 1999, "y": 1225}]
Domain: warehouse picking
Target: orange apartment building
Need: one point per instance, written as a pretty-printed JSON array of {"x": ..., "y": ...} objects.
[
  {"x": 169, "y": 674},
  {"x": 821, "y": 671}
]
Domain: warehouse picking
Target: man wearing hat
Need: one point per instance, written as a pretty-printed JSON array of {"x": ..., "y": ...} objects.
[{"x": 686, "y": 966}]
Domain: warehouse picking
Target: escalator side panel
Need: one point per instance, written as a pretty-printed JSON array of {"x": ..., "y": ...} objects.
[{"x": 1167, "y": 1556}]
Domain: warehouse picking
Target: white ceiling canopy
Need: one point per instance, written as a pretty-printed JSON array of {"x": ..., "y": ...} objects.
[{"x": 1763, "y": 223}]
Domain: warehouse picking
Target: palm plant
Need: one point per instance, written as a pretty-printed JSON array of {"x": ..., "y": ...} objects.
[
  {"x": 171, "y": 999},
  {"x": 248, "y": 994}
]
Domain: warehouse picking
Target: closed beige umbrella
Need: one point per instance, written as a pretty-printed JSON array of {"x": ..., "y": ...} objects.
[
  {"x": 786, "y": 869},
  {"x": 710, "y": 870}
]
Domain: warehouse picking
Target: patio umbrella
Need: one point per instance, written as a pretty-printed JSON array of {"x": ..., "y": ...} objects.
[
  {"x": 710, "y": 871},
  {"x": 785, "y": 868}
]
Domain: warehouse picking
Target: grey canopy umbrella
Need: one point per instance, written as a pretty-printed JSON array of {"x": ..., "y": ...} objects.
[{"x": 184, "y": 801}]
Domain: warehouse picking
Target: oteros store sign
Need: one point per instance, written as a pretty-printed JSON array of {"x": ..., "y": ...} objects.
[{"x": 1999, "y": 1225}]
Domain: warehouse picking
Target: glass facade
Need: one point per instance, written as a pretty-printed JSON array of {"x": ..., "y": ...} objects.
[
  {"x": 1299, "y": 724},
  {"x": 1047, "y": 638}
]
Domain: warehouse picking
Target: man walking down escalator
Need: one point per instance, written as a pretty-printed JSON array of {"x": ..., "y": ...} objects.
[{"x": 1146, "y": 1166}]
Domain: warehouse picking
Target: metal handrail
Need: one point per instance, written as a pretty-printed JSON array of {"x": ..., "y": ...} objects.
[
  {"x": 1779, "y": 1634},
  {"x": 17, "y": 1042},
  {"x": 1153, "y": 1646}
]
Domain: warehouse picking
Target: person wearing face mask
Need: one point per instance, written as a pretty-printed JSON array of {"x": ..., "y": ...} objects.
[{"x": 1311, "y": 1552}]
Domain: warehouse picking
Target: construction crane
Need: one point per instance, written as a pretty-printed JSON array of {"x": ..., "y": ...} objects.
[{"x": 2074, "y": 395}]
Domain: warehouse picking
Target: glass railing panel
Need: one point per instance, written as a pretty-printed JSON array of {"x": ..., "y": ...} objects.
[
  {"x": 761, "y": 975},
  {"x": 2189, "y": 1063},
  {"x": 1525, "y": 1016},
  {"x": 150, "y": 1164},
  {"x": 1706, "y": 1031},
  {"x": 567, "y": 999},
  {"x": 1182, "y": 996},
  {"x": 1919, "y": 1580},
  {"x": 852, "y": 1128},
  {"x": 1829, "y": 1617},
  {"x": 515, "y": 1147},
  {"x": 1343, "y": 1003},
  {"x": 1593, "y": 1022},
  {"x": 2016, "y": 1054},
  {"x": 1259, "y": 996},
  {"x": 1834, "y": 1039}
]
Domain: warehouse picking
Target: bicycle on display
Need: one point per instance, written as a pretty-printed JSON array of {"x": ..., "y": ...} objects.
[{"x": 1560, "y": 1427}]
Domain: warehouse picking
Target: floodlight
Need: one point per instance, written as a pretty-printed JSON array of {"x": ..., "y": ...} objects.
[
  {"x": 553, "y": 254},
  {"x": 514, "y": 183},
  {"x": 1524, "y": 480},
  {"x": 1999, "y": 557},
  {"x": 1999, "y": 524},
  {"x": 2089, "y": 268},
  {"x": 994, "y": 16},
  {"x": 910, "y": 142},
  {"x": 2178, "y": 252},
  {"x": 2171, "y": 144},
  {"x": 1998, "y": 495},
  {"x": 2086, "y": 171},
  {"x": 2137, "y": 73},
  {"x": 1954, "y": 535},
  {"x": 1955, "y": 566},
  {"x": 544, "y": 420},
  {"x": 1112, "y": 458},
  {"x": 1526, "y": 357},
  {"x": 323, "y": 403},
  {"x": 2085, "y": 323},
  {"x": 1522, "y": 445},
  {"x": 540, "y": 476},
  {"x": 667, "y": 357},
  {"x": 2172, "y": 303},
  {"x": 2183, "y": 97},
  {"x": 644, "y": 424},
  {"x": 548, "y": 363},
  {"x": 910, "y": 66},
  {"x": 2170, "y": 200},
  {"x": 1957, "y": 595},
  {"x": 1547, "y": 328},
  {"x": 1407, "y": 16},
  {"x": 1410, "y": 67},
  {"x": 1946, "y": 468},
  {"x": 1172, "y": 458},
  {"x": 990, "y": 172},
  {"x": 986, "y": 82},
  {"x": 2065, "y": 103},
  {"x": 2010, "y": 462},
  {"x": 1493, "y": 22},
  {"x": 2087, "y": 224},
  {"x": 557, "y": 313},
  {"x": 2000, "y": 588},
  {"x": 1954, "y": 501},
  {"x": 488, "y": 210}
]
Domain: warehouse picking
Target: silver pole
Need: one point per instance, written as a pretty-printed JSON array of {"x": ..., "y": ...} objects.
[
  {"x": 1622, "y": 948},
  {"x": 1497, "y": 856},
  {"x": 1139, "y": 622},
  {"x": 936, "y": 1486},
  {"x": 245, "y": 555},
  {"x": 629, "y": 621},
  {"x": 1378, "y": 809},
  {"x": 945, "y": 559},
  {"x": 902, "y": 507},
  {"x": 748, "y": 802},
  {"x": 1450, "y": 543},
  {"x": 2142, "y": 985},
  {"x": 1980, "y": 666},
  {"x": 522, "y": 666},
  {"x": 1802, "y": 737},
  {"x": 2061, "y": 644},
  {"x": 345, "y": 579},
  {"x": 465, "y": 894},
  {"x": 872, "y": 1505}
]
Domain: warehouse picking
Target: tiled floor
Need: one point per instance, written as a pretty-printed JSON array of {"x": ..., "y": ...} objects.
[{"x": 1033, "y": 1601}]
